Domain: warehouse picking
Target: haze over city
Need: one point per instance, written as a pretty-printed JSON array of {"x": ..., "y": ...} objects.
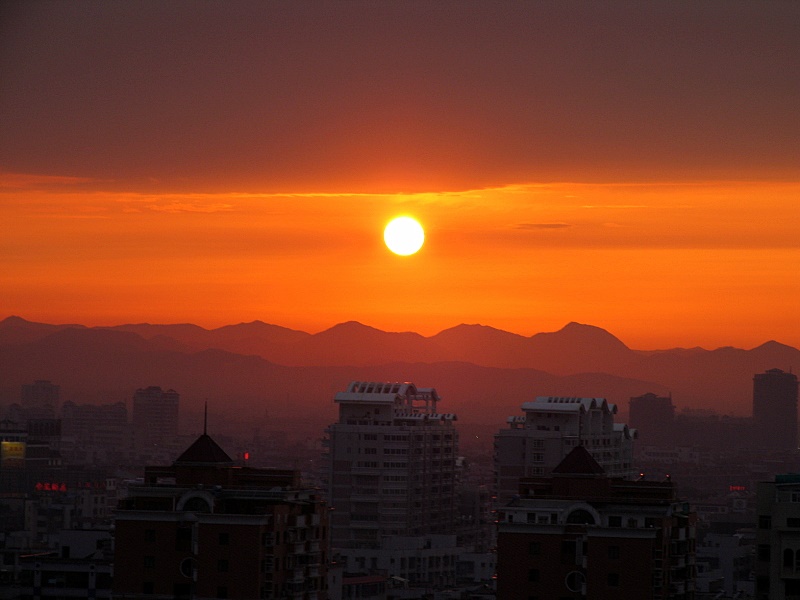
[{"x": 628, "y": 165}]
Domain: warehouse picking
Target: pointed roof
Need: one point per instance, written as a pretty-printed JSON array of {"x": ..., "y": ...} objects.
[
  {"x": 204, "y": 451},
  {"x": 578, "y": 462}
]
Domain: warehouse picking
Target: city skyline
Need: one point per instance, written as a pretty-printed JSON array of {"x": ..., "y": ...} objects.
[{"x": 632, "y": 166}]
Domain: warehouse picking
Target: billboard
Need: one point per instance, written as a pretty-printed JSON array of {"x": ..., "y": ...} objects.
[{"x": 12, "y": 455}]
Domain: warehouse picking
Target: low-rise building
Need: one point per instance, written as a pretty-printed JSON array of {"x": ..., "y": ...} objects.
[{"x": 580, "y": 533}]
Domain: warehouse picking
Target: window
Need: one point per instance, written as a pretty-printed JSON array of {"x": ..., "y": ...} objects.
[
  {"x": 148, "y": 587},
  {"x": 793, "y": 522},
  {"x": 534, "y": 548},
  {"x": 613, "y": 552},
  {"x": 222, "y": 565},
  {"x": 183, "y": 539},
  {"x": 613, "y": 579},
  {"x": 533, "y": 574},
  {"x": 149, "y": 562},
  {"x": 764, "y": 522},
  {"x": 224, "y": 539},
  {"x": 222, "y": 592},
  {"x": 580, "y": 517},
  {"x": 615, "y": 521},
  {"x": 763, "y": 551},
  {"x": 149, "y": 535}
]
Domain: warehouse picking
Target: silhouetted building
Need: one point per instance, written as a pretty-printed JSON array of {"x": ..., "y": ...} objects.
[
  {"x": 206, "y": 528},
  {"x": 40, "y": 399},
  {"x": 392, "y": 487},
  {"x": 775, "y": 410},
  {"x": 533, "y": 444},
  {"x": 96, "y": 434},
  {"x": 155, "y": 420},
  {"x": 582, "y": 534},
  {"x": 778, "y": 538},
  {"x": 653, "y": 417}
]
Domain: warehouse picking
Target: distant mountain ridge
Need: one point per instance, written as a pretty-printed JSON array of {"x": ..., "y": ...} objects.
[{"x": 719, "y": 379}]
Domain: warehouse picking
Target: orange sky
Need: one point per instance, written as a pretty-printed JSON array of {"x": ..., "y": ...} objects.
[
  {"x": 630, "y": 165},
  {"x": 657, "y": 264}
]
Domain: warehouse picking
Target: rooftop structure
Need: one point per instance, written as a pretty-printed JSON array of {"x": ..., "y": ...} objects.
[
  {"x": 207, "y": 528},
  {"x": 580, "y": 533},
  {"x": 551, "y": 426}
]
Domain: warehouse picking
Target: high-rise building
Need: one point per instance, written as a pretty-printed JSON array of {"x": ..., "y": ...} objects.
[
  {"x": 778, "y": 538},
  {"x": 533, "y": 444},
  {"x": 392, "y": 483},
  {"x": 207, "y": 528},
  {"x": 775, "y": 410},
  {"x": 653, "y": 416},
  {"x": 40, "y": 399},
  {"x": 582, "y": 534},
  {"x": 155, "y": 421}
]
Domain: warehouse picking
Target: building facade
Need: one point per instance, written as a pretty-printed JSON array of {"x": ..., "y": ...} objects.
[
  {"x": 550, "y": 428},
  {"x": 775, "y": 410},
  {"x": 39, "y": 400},
  {"x": 155, "y": 422},
  {"x": 582, "y": 534},
  {"x": 653, "y": 417},
  {"x": 392, "y": 482},
  {"x": 778, "y": 538},
  {"x": 206, "y": 528}
]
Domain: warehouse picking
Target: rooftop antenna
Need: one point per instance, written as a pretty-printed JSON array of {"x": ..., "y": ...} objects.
[{"x": 205, "y": 420}]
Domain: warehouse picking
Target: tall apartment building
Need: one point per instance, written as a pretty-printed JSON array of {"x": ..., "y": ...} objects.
[
  {"x": 582, "y": 534},
  {"x": 155, "y": 421},
  {"x": 39, "y": 400},
  {"x": 391, "y": 482},
  {"x": 778, "y": 538},
  {"x": 534, "y": 443},
  {"x": 775, "y": 410},
  {"x": 653, "y": 417},
  {"x": 207, "y": 528}
]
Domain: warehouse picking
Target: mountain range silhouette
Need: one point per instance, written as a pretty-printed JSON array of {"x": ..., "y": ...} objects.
[{"x": 483, "y": 373}]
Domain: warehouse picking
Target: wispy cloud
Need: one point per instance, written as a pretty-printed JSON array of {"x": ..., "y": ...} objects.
[
  {"x": 535, "y": 226},
  {"x": 180, "y": 207},
  {"x": 20, "y": 181}
]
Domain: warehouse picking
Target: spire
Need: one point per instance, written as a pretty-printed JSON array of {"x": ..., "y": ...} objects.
[{"x": 204, "y": 450}]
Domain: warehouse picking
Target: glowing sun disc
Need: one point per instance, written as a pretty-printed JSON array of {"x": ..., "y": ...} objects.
[{"x": 404, "y": 236}]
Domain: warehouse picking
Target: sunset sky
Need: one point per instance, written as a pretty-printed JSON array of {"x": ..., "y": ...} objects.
[{"x": 631, "y": 165}]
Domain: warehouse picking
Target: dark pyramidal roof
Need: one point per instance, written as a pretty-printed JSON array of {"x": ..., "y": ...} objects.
[
  {"x": 204, "y": 451},
  {"x": 578, "y": 462}
]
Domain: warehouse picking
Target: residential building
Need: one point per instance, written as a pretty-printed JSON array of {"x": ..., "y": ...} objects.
[
  {"x": 580, "y": 533},
  {"x": 775, "y": 410},
  {"x": 207, "y": 528},
  {"x": 392, "y": 483},
  {"x": 39, "y": 400},
  {"x": 155, "y": 422},
  {"x": 778, "y": 538},
  {"x": 653, "y": 416},
  {"x": 550, "y": 428}
]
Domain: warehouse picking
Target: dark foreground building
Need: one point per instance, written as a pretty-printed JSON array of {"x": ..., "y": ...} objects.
[
  {"x": 775, "y": 410},
  {"x": 582, "y": 534},
  {"x": 206, "y": 528}
]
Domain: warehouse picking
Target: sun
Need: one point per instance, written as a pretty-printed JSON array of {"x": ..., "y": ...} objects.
[{"x": 404, "y": 236}]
